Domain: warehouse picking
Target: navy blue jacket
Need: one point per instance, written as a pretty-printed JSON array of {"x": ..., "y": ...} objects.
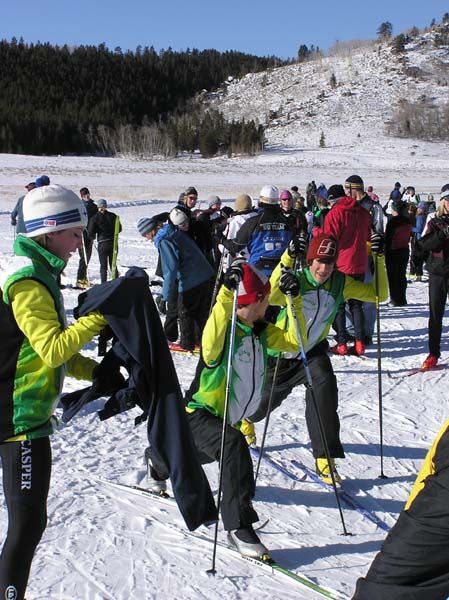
[{"x": 141, "y": 347}]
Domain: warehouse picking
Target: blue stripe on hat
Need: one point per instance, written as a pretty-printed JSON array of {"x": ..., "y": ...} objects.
[{"x": 64, "y": 218}]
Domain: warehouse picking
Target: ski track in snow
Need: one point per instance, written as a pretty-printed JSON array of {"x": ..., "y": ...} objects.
[{"x": 101, "y": 545}]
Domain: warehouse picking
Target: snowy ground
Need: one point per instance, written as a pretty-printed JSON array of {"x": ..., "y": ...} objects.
[{"x": 100, "y": 545}]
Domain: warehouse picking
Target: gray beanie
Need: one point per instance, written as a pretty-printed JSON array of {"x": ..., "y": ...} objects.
[
  {"x": 146, "y": 224},
  {"x": 212, "y": 200}
]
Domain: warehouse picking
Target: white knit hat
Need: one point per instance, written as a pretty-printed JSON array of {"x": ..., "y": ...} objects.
[
  {"x": 52, "y": 208},
  {"x": 269, "y": 194}
]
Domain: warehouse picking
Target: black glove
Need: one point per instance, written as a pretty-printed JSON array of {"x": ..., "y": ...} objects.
[
  {"x": 161, "y": 305},
  {"x": 297, "y": 246},
  {"x": 377, "y": 243},
  {"x": 288, "y": 283},
  {"x": 13, "y": 222},
  {"x": 234, "y": 274}
]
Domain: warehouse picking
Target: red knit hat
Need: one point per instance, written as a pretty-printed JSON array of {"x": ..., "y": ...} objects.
[
  {"x": 253, "y": 287},
  {"x": 323, "y": 247}
]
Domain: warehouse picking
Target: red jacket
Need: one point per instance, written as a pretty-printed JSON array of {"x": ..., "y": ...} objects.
[{"x": 350, "y": 224}]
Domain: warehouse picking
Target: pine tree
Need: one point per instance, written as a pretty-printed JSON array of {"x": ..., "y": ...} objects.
[
  {"x": 322, "y": 140},
  {"x": 385, "y": 30},
  {"x": 398, "y": 44}
]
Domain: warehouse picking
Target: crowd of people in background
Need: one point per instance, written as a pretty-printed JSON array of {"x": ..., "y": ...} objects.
[{"x": 322, "y": 260}]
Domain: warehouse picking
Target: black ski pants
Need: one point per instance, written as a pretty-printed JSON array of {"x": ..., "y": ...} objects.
[
  {"x": 26, "y": 479},
  {"x": 238, "y": 478},
  {"x": 193, "y": 312},
  {"x": 396, "y": 264},
  {"x": 416, "y": 260},
  {"x": 291, "y": 373},
  {"x": 438, "y": 291},
  {"x": 171, "y": 318},
  {"x": 358, "y": 318},
  {"x": 105, "y": 251},
  {"x": 413, "y": 563},
  {"x": 85, "y": 254}
]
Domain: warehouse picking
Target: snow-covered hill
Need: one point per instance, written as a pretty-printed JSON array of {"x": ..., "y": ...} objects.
[
  {"x": 103, "y": 545},
  {"x": 298, "y": 102}
]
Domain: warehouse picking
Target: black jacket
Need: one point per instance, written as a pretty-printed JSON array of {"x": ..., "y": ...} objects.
[
  {"x": 434, "y": 246},
  {"x": 102, "y": 226},
  {"x": 141, "y": 347}
]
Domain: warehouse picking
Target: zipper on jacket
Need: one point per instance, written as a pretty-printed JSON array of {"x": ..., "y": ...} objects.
[
  {"x": 254, "y": 376},
  {"x": 316, "y": 313}
]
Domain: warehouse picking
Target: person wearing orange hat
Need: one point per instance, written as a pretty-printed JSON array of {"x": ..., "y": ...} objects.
[
  {"x": 323, "y": 289},
  {"x": 253, "y": 337}
]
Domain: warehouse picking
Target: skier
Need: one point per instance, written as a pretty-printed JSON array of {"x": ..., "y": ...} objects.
[
  {"x": 37, "y": 349},
  {"x": 413, "y": 561},
  {"x": 85, "y": 252},
  {"x": 16, "y": 213},
  {"x": 311, "y": 195},
  {"x": 265, "y": 236},
  {"x": 395, "y": 194},
  {"x": 416, "y": 262},
  {"x": 253, "y": 337},
  {"x": 187, "y": 276},
  {"x": 397, "y": 238},
  {"x": 436, "y": 245},
  {"x": 295, "y": 217},
  {"x": 323, "y": 290},
  {"x": 350, "y": 224},
  {"x": 103, "y": 227}
]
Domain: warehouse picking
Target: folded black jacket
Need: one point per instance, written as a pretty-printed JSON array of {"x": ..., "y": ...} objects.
[{"x": 140, "y": 345}]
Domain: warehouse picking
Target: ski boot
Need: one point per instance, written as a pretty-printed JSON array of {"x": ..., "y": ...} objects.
[
  {"x": 430, "y": 362},
  {"x": 154, "y": 483},
  {"x": 248, "y": 430},
  {"x": 248, "y": 543},
  {"x": 340, "y": 349},
  {"x": 82, "y": 284},
  {"x": 359, "y": 348},
  {"x": 324, "y": 472}
]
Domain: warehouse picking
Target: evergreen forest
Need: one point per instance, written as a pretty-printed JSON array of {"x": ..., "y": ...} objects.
[{"x": 90, "y": 99}]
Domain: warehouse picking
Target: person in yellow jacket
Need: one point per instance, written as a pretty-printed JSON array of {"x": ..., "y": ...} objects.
[
  {"x": 253, "y": 336},
  {"x": 413, "y": 563},
  {"x": 322, "y": 291},
  {"x": 37, "y": 349}
]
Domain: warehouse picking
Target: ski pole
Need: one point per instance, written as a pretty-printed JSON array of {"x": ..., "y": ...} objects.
[
  {"x": 315, "y": 405},
  {"x": 270, "y": 400},
  {"x": 232, "y": 329},
  {"x": 85, "y": 258},
  {"x": 379, "y": 369},
  {"x": 267, "y": 418},
  {"x": 217, "y": 283}
]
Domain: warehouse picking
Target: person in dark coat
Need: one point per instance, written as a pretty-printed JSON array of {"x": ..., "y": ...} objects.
[
  {"x": 416, "y": 262},
  {"x": 397, "y": 237},
  {"x": 86, "y": 251},
  {"x": 102, "y": 227},
  {"x": 265, "y": 236},
  {"x": 17, "y": 212},
  {"x": 435, "y": 247},
  {"x": 413, "y": 563}
]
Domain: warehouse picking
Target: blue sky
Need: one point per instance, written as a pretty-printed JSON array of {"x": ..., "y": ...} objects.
[{"x": 260, "y": 27}]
